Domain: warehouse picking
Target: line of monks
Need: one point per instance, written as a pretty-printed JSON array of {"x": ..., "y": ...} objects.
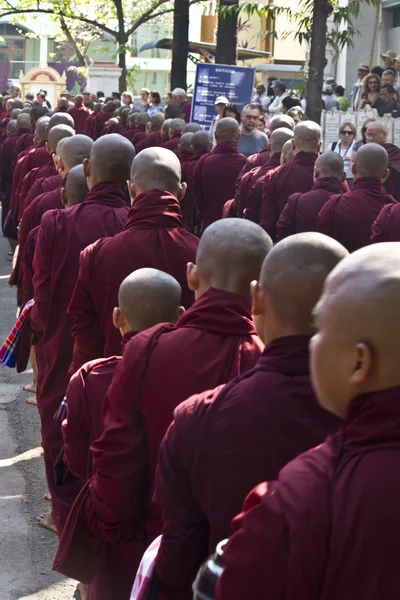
[{"x": 177, "y": 374}]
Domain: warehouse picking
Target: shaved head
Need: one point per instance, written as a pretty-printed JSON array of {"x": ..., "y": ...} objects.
[
  {"x": 293, "y": 275},
  {"x": 148, "y": 297},
  {"x": 287, "y": 152},
  {"x": 157, "y": 168},
  {"x": 227, "y": 130},
  {"x": 157, "y": 121},
  {"x": 12, "y": 127},
  {"x": 143, "y": 118},
  {"x": 42, "y": 128},
  {"x": 371, "y": 161},
  {"x": 330, "y": 164},
  {"x": 177, "y": 125},
  {"x": 356, "y": 350},
  {"x": 192, "y": 128},
  {"x": 307, "y": 137},
  {"x": 280, "y": 121},
  {"x": 165, "y": 128},
  {"x": 111, "y": 159},
  {"x": 230, "y": 254},
  {"x": 186, "y": 141},
  {"x": 201, "y": 141},
  {"x": 61, "y": 118},
  {"x": 278, "y": 138},
  {"x": 76, "y": 186},
  {"x": 57, "y": 133},
  {"x": 74, "y": 150},
  {"x": 15, "y": 112}
]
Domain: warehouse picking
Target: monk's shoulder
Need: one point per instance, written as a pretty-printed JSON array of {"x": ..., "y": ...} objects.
[
  {"x": 196, "y": 406},
  {"x": 142, "y": 345}
]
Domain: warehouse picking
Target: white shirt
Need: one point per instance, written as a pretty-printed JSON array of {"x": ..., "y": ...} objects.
[
  {"x": 345, "y": 153},
  {"x": 212, "y": 129},
  {"x": 276, "y": 105}
]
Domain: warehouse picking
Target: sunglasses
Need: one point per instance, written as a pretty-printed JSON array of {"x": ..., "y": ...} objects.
[{"x": 346, "y": 132}]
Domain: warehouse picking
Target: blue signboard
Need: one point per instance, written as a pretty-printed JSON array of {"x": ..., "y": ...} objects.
[{"x": 236, "y": 83}]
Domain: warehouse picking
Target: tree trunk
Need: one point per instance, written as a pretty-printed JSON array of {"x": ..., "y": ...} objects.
[
  {"x": 122, "y": 65},
  {"x": 317, "y": 61},
  {"x": 226, "y": 53},
  {"x": 180, "y": 44}
]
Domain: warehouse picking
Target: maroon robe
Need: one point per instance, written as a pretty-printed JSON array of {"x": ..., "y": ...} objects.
[
  {"x": 301, "y": 211},
  {"x": 328, "y": 529},
  {"x": 184, "y": 156},
  {"x": 80, "y": 116},
  {"x": 296, "y": 176},
  {"x": 348, "y": 217},
  {"x": 214, "y": 181},
  {"x": 91, "y": 125},
  {"x": 41, "y": 185},
  {"x": 32, "y": 161},
  {"x": 249, "y": 179},
  {"x": 386, "y": 228},
  {"x": 100, "y": 122},
  {"x": 173, "y": 143},
  {"x": 154, "y": 139},
  {"x": 27, "y": 266},
  {"x": 139, "y": 135},
  {"x": 188, "y": 204},
  {"x": 64, "y": 233},
  {"x": 221, "y": 444},
  {"x": 255, "y": 160},
  {"x": 214, "y": 341},
  {"x": 153, "y": 237},
  {"x": 392, "y": 184},
  {"x": 6, "y": 171},
  {"x": 24, "y": 142}
]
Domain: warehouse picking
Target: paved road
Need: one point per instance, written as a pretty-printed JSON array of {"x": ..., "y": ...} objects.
[{"x": 26, "y": 549}]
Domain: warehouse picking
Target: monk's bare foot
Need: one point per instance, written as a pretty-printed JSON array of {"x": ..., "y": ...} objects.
[
  {"x": 47, "y": 522},
  {"x": 32, "y": 401},
  {"x": 47, "y": 497},
  {"x": 30, "y": 387},
  {"x": 81, "y": 591}
]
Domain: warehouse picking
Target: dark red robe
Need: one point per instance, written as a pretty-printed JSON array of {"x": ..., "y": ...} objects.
[
  {"x": 90, "y": 127},
  {"x": 34, "y": 159},
  {"x": 64, "y": 233},
  {"x": 174, "y": 142},
  {"x": 255, "y": 160},
  {"x": 138, "y": 135},
  {"x": 188, "y": 204},
  {"x": 248, "y": 180},
  {"x": 100, "y": 122},
  {"x": 27, "y": 266},
  {"x": 24, "y": 143},
  {"x": 215, "y": 176},
  {"x": 184, "y": 156},
  {"x": 41, "y": 185},
  {"x": 392, "y": 185},
  {"x": 6, "y": 171},
  {"x": 154, "y": 139},
  {"x": 301, "y": 211},
  {"x": 221, "y": 444},
  {"x": 217, "y": 335},
  {"x": 348, "y": 218},
  {"x": 153, "y": 237},
  {"x": 328, "y": 529},
  {"x": 296, "y": 176},
  {"x": 80, "y": 116},
  {"x": 386, "y": 228}
]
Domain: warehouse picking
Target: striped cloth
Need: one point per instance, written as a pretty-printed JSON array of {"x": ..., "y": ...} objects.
[
  {"x": 143, "y": 580},
  {"x": 8, "y": 351}
]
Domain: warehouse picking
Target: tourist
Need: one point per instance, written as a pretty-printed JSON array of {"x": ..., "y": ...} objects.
[
  {"x": 371, "y": 87},
  {"x": 344, "y": 146},
  {"x": 155, "y": 104},
  {"x": 251, "y": 139}
]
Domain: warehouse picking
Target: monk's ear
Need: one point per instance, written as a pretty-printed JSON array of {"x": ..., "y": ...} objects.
[
  {"x": 48, "y": 148},
  {"x": 192, "y": 277},
  {"x": 385, "y": 175},
  {"x": 268, "y": 133},
  {"x": 238, "y": 136},
  {"x": 362, "y": 364},
  {"x": 257, "y": 298},
  {"x": 354, "y": 169},
  {"x": 118, "y": 319},
  {"x": 64, "y": 198},
  {"x": 132, "y": 190},
  {"x": 182, "y": 191},
  {"x": 343, "y": 177},
  {"x": 86, "y": 167},
  {"x": 319, "y": 147},
  {"x": 316, "y": 173},
  {"x": 180, "y": 312},
  {"x": 56, "y": 161}
]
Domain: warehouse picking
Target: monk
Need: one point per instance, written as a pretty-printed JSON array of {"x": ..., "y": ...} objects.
[
  {"x": 165, "y": 130},
  {"x": 301, "y": 211},
  {"x": 90, "y": 128},
  {"x": 216, "y": 173},
  {"x": 349, "y": 217},
  {"x": 327, "y": 529},
  {"x": 175, "y": 131},
  {"x": 26, "y": 141},
  {"x": 102, "y": 117},
  {"x": 80, "y": 114},
  {"x": 201, "y": 144},
  {"x": 254, "y": 195},
  {"x": 386, "y": 228},
  {"x": 377, "y": 133},
  {"x": 139, "y": 133},
  {"x": 297, "y": 176},
  {"x": 146, "y": 298},
  {"x": 224, "y": 441},
  {"x": 153, "y": 133},
  {"x": 259, "y": 159},
  {"x": 153, "y": 236},
  {"x": 192, "y": 128},
  {"x": 6, "y": 168},
  {"x": 213, "y": 341},
  {"x": 64, "y": 233},
  {"x": 185, "y": 152},
  {"x": 278, "y": 138}
]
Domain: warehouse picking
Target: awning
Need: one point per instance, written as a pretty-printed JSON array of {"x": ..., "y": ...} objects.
[
  {"x": 203, "y": 48},
  {"x": 275, "y": 67}
]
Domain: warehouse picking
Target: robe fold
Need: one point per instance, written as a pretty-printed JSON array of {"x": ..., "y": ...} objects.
[
  {"x": 249, "y": 180},
  {"x": 214, "y": 341},
  {"x": 100, "y": 123},
  {"x": 138, "y": 135},
  {"x": 27, "y": 266},
  {"x": 188, "y": 202},
  {"x": 255, "y": 160},
  {"x": 221, "y": 444},
  {"x": 154, "y": 139},
  {"x": 63, "y": 234},
  {"x": 328, "y": 528},
  {"x": 301, "y": 211},
  {"x": 392, "y": 184},
  {"x": 6, "y": 171},
  {"x": 80, "y": 116},
  {"x": 153, "y": 237},
  {"x": 215, "y": 177},
  {"x": 173, "y": 143},
  {"x": 33, "y": 160},
  {"x": 25, "y": 143},
  {"x": 386, "y": 228},
  {"x": 296, "y": 176},
  {"x": 348, "y": 218},
  {"x": 184, "y": 157}
]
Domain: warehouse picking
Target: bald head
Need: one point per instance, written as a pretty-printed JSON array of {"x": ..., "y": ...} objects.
[
  {"x": 278, "y": 138},
  {"x": 15, "y": 112},
  {"x": 143, "y": 118},
  {"x": 148, "y": 297},
  {"x": 111, "y": 158},
  {"x": 371, "y": 161},
  {"x": 12, "y": 127},
  {"x": 156, "y": 168},
  {"x": 61, "y": 118},
  {"x": 76, "y": 187},
  {"x": 230, "y": 254},
  {"x": 227, "y": 130},
  {"x": 201, "y": 141},
  {"x": 177, "y": 125},
  {"x": 287, "y": 152},
  {"x": 192, "y": 128},
  {"x": 280, "y": 121},
  {"x": 18, "y": 103},
  {"x": 23, "y": 121},
  {"x": 293, "y": 275},
  {"x": 307, "y": 137},
  {"x": 57, "y": 133},
  {"x": 186, "y": 142},
  {"x": 157, "y": 121},
  {"x": 329, "y": 164},
  {"x": 73, "y": 150},
  {"x": 42, "y": 129}
]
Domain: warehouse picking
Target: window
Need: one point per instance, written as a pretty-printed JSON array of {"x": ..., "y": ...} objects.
[
  {"x": 13, "y": 50},
  {"x": 63, "y": 53},
  {"x": 396, "y": 16},
  {"x": 154, "y": 79}
]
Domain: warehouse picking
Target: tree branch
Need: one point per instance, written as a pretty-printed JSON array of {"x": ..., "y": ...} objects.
[
  {"x": 154, "y": 16},
  {"x": 146, "y": 16},
  {"x": 71, "y": 40}
]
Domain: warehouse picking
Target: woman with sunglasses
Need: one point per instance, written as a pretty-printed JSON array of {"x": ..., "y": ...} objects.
[{"x": 344, "y": 147}]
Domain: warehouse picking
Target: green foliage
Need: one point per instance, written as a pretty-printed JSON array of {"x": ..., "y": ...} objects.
[{"x": 132, "y": 76}]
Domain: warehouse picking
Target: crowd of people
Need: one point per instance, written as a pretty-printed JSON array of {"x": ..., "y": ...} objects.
[{"x": 208, "y": 309}]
